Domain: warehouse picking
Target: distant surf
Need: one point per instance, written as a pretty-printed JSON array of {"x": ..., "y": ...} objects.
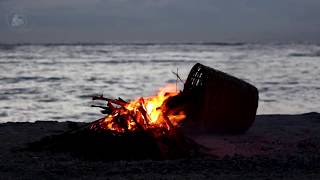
[{"x": 55, "y": 81}]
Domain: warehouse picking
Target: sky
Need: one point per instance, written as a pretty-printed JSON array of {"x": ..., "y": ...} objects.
[{"x": 106, "y": 21}]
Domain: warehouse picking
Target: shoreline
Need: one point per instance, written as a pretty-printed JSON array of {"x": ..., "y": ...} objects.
[{"x": 276, "y": 146}]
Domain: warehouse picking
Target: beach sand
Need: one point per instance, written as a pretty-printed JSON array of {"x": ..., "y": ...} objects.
[{"x": 276, "y": 147}]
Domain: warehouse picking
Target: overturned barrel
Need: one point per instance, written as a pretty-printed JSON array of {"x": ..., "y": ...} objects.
[{"x": 218, "y": 102}]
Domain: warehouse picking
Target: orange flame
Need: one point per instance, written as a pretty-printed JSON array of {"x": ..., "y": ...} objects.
[{"x": 144, "y": 113}]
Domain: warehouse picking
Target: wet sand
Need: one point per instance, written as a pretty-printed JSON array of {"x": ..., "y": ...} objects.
[{"x": 276, "y": 147}]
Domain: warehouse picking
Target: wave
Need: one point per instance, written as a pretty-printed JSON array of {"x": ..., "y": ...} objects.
[
  {"x": 15, "y": 91},
  {"x": 308, "y": 54},
  {"x": 7, "y": 47},
  {"x": 10, "y": 46},
  {"x": 27, "y": 57},
  {"x": 31, "y": 78},
  {"x": 172, "y": 61},
  {"x": 143, "y": 61}
]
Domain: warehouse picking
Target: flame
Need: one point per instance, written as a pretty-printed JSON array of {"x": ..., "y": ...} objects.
[
  {"x": 153, "y": 104},
  {"x": 143, "y": 113}
]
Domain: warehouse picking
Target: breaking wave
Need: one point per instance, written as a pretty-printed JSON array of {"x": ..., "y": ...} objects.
[{"x": 307, "y": 54}]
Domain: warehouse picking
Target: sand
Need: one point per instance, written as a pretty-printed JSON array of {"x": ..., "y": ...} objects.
[{"x": 276, "y": 147}]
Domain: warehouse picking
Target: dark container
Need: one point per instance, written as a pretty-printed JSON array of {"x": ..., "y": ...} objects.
[{"x": 219, "y": 102}]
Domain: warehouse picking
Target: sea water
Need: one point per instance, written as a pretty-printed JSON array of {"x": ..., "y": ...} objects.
[{"x": 56, "y": 82}]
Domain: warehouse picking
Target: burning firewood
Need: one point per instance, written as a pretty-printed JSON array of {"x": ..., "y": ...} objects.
[
  {"x": 148, "y": 127},
  {"x": 141, "y": 114}
]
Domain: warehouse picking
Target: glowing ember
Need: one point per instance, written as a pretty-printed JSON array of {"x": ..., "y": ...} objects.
[{"x": 148, "y": 114}]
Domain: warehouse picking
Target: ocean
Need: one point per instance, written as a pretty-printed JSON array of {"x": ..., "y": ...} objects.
[{"x": 56, "y": 82}]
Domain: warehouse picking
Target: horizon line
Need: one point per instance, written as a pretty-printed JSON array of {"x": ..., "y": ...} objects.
[{"x": 218, "y": 43}]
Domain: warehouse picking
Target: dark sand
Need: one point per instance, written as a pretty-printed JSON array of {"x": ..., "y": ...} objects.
[{"x": 276, "y": 147}]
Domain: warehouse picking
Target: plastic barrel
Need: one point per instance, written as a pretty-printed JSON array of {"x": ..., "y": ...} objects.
[{"x": 218, "y": 102}]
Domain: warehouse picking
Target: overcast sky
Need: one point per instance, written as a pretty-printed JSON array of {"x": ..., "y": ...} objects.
[{"x": 64, "y": 21}]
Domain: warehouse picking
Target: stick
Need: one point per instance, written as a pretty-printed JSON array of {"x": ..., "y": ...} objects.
[
  {"x": 178, "y": 77},
  {"x": 177, "y": 81},
  {"x": 168, "y": 122},
  {"x": 120, "y": 101},
  {"x": 100, "y": 97}
]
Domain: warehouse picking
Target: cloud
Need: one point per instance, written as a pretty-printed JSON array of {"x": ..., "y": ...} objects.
[
  {"x": 44, "y": 4},
  {"x": 167, "y": 19}
]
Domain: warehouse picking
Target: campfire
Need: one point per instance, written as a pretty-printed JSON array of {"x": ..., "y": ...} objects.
[
  {"x": 155, "y": 127},
  {"x": 150, "y": 114},
  {"x": 148, "y": 126}
]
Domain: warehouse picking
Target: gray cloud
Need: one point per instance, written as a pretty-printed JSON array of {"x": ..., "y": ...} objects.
[{"x": 162, "y": 20}]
